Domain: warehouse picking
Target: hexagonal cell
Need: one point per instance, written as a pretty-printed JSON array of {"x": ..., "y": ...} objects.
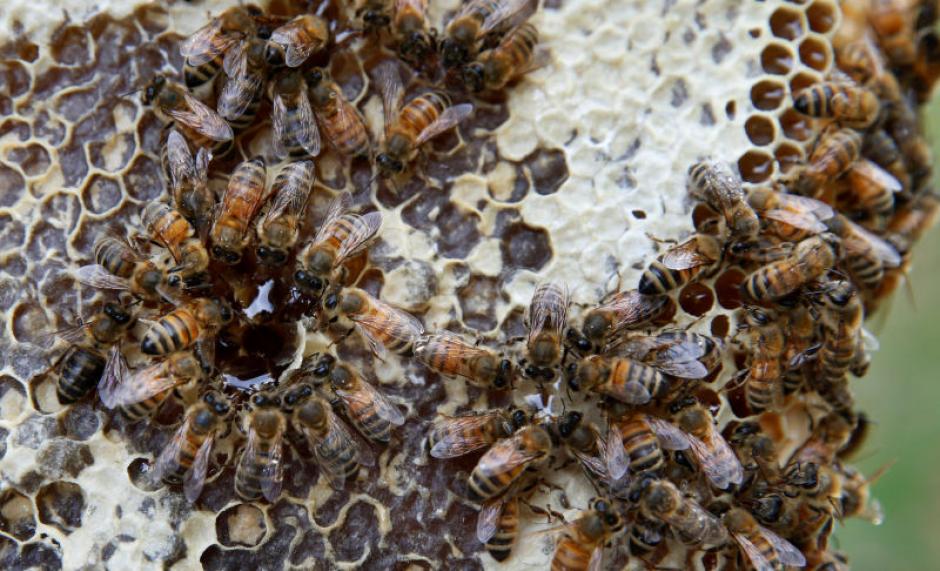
[
  {"x": 17, "y": 517},
  {"x": 523, "y": 246},
  {"x": 241, "y": 525},
  {"x": 802, "y": 80},
  {"x": 815, "y": 52},
  {"x": 787, "y": 23},
  {"x": 728, "y": 288},
  {"x": 12, "y": 184},
  {"x": 822, "y": 16},
  {"x": 795, "y": 125},
  {"x": 768, "y": 94},
  {"x": 789, "y": 156},
  {"x": 720, "y": 326},
  {"x": 760, "y": 130},
  {"x": 755, "y": 166},
  {"x": 478, "y": 302},
  {"x": 696, "y": 299},
  {"x": 60, "y": 505},
  {"x": 32, "y": 158},
  {"x": 143, "y": 180},
  {"x": 547, "y": 169},
  {"x": 777, "y": 58},
  {"x": 30, "y": 324},
  {"x": 101, "y": 194},
  {"x": 14, "y": 78}
]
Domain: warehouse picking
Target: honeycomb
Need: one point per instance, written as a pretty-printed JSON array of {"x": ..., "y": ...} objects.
[{"x": 576, "y": 175}]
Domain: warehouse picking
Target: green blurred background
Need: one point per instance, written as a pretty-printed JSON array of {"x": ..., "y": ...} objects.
[{"x": 901, "y": 394}]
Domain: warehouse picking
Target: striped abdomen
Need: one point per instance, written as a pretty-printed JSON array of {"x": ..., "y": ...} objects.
[
  {"x": 250, "y": 477},
  {"x": 641, "y": 446},
  {"x": 198, "y": 75},
  {"x": 658, "y": 279},
  {"x": 762, "y": 386},
  {"x": 365, "y": 416},
  {"x": 345, "y": 131},
  {"x": 242, "y": 198},
  {"x": 850, "y": 104},
  {"x": 626, "y": 374},
  {"x": 645, "y": 536},
  {"x": 339, "y": 456},
  {"x": 835, "y": 153},
  {"x": 167, "y": 226},
  {"x": 501, "y": 543},
  {"x": 387, "y": 326},
  {"x": 174, "y": 331},
  {"x": 79, "y": 372},
  {"x": 485, "y": 484},
  {"x": 415, "y": 117},
  {"x": 516, "y": 50},
  {"x": 837, "y": 353},
  {"x": 184, "y": 459},
  {"x": 572, "y": 554},
  {"x": 116, "y": 256},
  {"x": 138, "y": 410}
]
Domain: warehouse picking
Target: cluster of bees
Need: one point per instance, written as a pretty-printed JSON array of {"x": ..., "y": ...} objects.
[{"x": 828, "y": 242}]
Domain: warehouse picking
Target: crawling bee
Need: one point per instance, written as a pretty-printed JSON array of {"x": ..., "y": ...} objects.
[
  {"x": 448, "y": 354},
  {"x": 411, "y": 31},
  {"x": 761, "y": 547},
  {"x": 297, "y": 40},
  {"x": 546, "y": 320},
  {"x": 622, "y": 379},
  {"x": 369, "y": 410},
  {"x": 790, "y": 217},
  {"x": 171, "y": 230},
  {"x": 192, "y": 322},
  {"x": 850, "y": 105},
  {"x": 835, "y": 151},
  {"x": 295, "y": 128},
  {"x": 762, "y": 386},
  {"x": 603, "y": 460},
  {"x": 173, "y": 103},
  {"x": 279, "y": 228},
  {"x": 893, "y": 22},
  {"x": 865, "y": 255},
  {"x": 409, "y": 126},
  {"x": 260, "y": 470},
  {"x": 661, "y": 501},
  {"x": 581, "y": 546},
  {"x": 712, "y": 452},
  {"x": 498, "y": 520},
  {"x": 681, "y": 264},
  {"x": 140, "y": 394},
  {"x": 604, "y": 326},
  {"x": 514, "y": 57},
  {"x": 507, "y": 460},
  {"x": 811, "y": 258},
  {"x": 242, "y": 199},
  {"x": 342, "y": 124},
  {"x": 466, "y": 30},
  {"x": 718, "y": 186},
  {"x": 382, "y": 326},
  {"x": 872, "y": 191},
  {"x": 453, "y": 436},
  {"x": 189, "y": 179},
  {"x": 204, "y": 50},
  {"x": 119, "y": 267},
  {"x": 246, "y": 72},
  {"x": 680, "y": 354},
  {"x": 842, "y": 321}
]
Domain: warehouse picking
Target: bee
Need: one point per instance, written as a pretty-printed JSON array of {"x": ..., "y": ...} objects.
[
  {"x": 171, "y": 230},
  {"x": 645, "y": 535},
  {"x": 842, "y": 320},
  {"x": 604, "y": 461},
  {"x": 341, "y": 122},
  {"x": 242, "y": 200},
  {"x": 850, "y": 105},
  {"x": 873, "y": 190},
  {"x": 762, "y": 386},
  {"x": 83, "y": 365},
  {"x": 835, "y": 152},
  {"x": 260, "y": 470},
  {"x": 448, "y": 354},
  {"x": 246, "y": 71},
  {"x": 186, "y": 325},
  {"x": 119, "y": 267},
  {"x": 622, "y": 379},
  {"x": 761, "y": 547},
  {"x": 409, "y": 126},
  {"x": 382, "y": 326},
  {"x": 680, "y": 354},
  {"x": 859, "y": 61},
  {"x": 582, "y": 542},
  {"x": 801, "y": 334},
  {"x": 603, "y": 325},
  {"x": 681, "y": 264},
  {"x": 927, "y": 64},
  {"x": 715, "y": 457},
  {"x": 856, "y": 500},
  {"x": 186, "y": 458},
  {"x": 643, "y": 439},
  {"x": 828, "y": 437},
  {"x": 513, "y": 57},
  {"x": 866, "y": 255},
  {"x": 189, "y": 178},
  {"x": 410, "y": 29},
  {"x": 141, "y": 393},
  {"x": 204, "y": 50},
  {"x": 756, "y": 451},
  {"x": 172, "y": 102},
  {"x": 453, "y": 436},
  {"x": 341, "y": 236},
  {"x": 790, "y": 217},
  {"x": 714, "y": 183},
  {"x": 375, "y": 14},
  {"x": 893, "y": 22},
  {"x": 507, "y": 460},
  {"x": 810, "y": 259},
  {"x": 279, "y": 228},
  {"x": 297, "y": 40},
  {"x": 369, "y": 410},
  {"x": 661, "y": 501},
  {"x": 546, "y": 318},
  {"x": 498, "y": 525},
  {"x": 336, "y": 451},
  {"x": 911, "y": 220},
  {"x": 478, "y": 18},
  {"x": 295, "y": 128}
]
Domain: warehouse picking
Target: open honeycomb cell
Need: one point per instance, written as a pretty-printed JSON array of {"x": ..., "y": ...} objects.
[
  {"x": 787, "y": 23},
  {"x": 756, "y": 166},
  {"x": 777, "y": 58},
  {"x": 761, "y": 130},
  {"x": 768, "y": 95},
  {"x": 815, "y": 53}
]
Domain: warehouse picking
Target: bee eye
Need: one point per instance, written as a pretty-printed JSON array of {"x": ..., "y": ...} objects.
[{"x": 331, "y": 301}]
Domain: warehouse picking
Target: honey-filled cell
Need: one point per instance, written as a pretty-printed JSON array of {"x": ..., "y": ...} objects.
[
  {"x": 822, "y": 16},
  {"x": 755, "y": 166},
  {"x": 801, "y": 81},
  {"x": 788, "y": 156},
  {"x": 760, "y": 130},
  {"x": 815, "y": 53},
  {"x": 795, "y": 125},
  {"x": 768, "y": 94},
  {"x": 787, "y": 23},
  {"x": 777, "y": 59}
]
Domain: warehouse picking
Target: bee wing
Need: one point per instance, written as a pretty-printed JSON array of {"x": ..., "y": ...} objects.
[
  {"x": 459, "y": 435},
  {"x": 207, "y": 43},
  {"x": 115, "y": 373},
  {"x": 365, "y": 228},
  {"x": 405, "y": 326},
  {"x": 718, "y": 461},
  {"x": 272, "y": 475},
  {"x": 291, "y": 198},
  {"x": 597, "y": 558},
  {"x": 446, "y": 342},
  {"x": 869, "y": 341},
  {"x": 885, "y": 251},
  {"x": 685, "y": 256},
  {"x": 142, "y": 385},
  {"x": 798, "y": 219},
  {"x": 505, "y": 455},
  {"x": 548, "y": 309},
  {"x": 874, "y": 174},
  {"x": 488, "y": 519},
  {"x": 201, "y": 118},
  {"x": 96, "y": 276},
  {"x": 788, "y": 554},
  {"x": 368, "y": 394},
  {"x": 238, "y": 94},
  {"x": 294, "y": 38},
  {"x": 338, "y": 206},
  {"x": 450, "y": 117},
  {"x": 170, "y": 452},
  {"x": 236, "y": 60},
  {"x": 634, "y": 393},
  {"x": 670, "y": 436},
  {"x": 753, "y": 554},
  {"x": 681, "y": 360},
  {"x": 515, "y": 10},
  {"x": 390, "y": 86},
  {"x": 632, "y": 307},
  {"x": 615, "y": 455},
  {"x": 196, "y": 476},
  {"x": 307, "y": 134},
  {"x": 182, "y": 166},
  {"x": 337, "y": 430}
]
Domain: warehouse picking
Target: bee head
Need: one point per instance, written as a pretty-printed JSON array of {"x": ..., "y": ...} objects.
[
  {"x": 272, "y": 256},
  {"x": 117, "y": 313},
  {"x": 389, "y": 164},
  {"x": 453, "y": 53},
  {"x": 323, "y": 366},
  {"x": 152, "y": 90},
  {"x": 578, "y": 341},
  {"x": 308, "y": 280},
  {"x": 341, "y": 376},
  {"x": 474, "y": 77},
  {"x": 314, "y": 77},
  {"x": 174, "y": 280},
  {"x": 416, "y": 46},
  {"x": 297, "y": 395},
  {"x": 568, "y": 423},
  {"x": 225, "y": 255},
  {"x": 519, "y": 419},
  {"x": 217, "y": 403},
  {"x": 375, "y": 18},
  {"x": 571, "y": 371},
  {"x": 503, "y": 374}
]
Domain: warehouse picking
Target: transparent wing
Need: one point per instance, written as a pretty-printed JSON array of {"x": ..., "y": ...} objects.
[
  {"x": 291, "y": 198},
  {"x": 505, "y": 455},
  {"x": 685, "y": 256},
  {"x": 885, "y": 251},
  {"x": 447, "y": 342},
  {"x": 875, "y": 175},
  {"x": 182, "y": 167},
  {"x": 236, "y": 60},
  {"x": 207, "y": 43},
  {"x": 71, "y": 333},
  {"x": 272, "y": 474},
  {"x": 817, "y": 208},
  {"x": 338, "y": 206},
  {"x": 670, "y": 436},
  {"x": 789, "y": 555},
  {"x": 294, "y": 38},
  {"x": 869, "y": 341},
  {"x": 390, "y": 86},
  {"x": 508, "y": 10},
  {"x": 365, "y": 229},
  {"x": 96, "y": 276},
  {"x": 373, "y": 340},
  {"x": 115, "y": 373},
  {"x": 753, "y": 554},
  {"x": 617, "y": 461},
  {"x": 144, "y": 384},
  {"x": 632, "y": 307},
  {"x": 392, "y": 321},
  {"x": 170, "y": 453},
  {"x": 459, "y": 435},
  {"x": 338, "y": 431},
  {"x": 548, "y": 309},
  {"x": 797, "y": 219},
  {"x": 488, "y": 519},
  {"x": 201, "y": 118},
  {"x": 597, "y": 558},
  {"x": 718, "y": 461},
  {"x": 195, "y": 478},
  {"x": 368, "y": 394},
  {"x": 238, "y": 94},
  {"x": 633, "y": 393},
  {"x": 450, "y": 117}
]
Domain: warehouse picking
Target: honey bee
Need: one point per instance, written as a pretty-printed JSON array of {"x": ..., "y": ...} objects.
[
  {"x": 756, "y": 451},
  {"x": 186, "y": 325},
  {"x": 893, "y": 22},
  {"x": 603, "y": 460},
  {"x": 342, "y": 124},
  {"x": 341, "y": 236},
  {"x": 498, "y": 521},
  {"x": 295, "y": 128},
  {"x": 830, "y": 435},
  {"x": 911, "y": 220},
  {"x": 186, "y": 458},
  {"x": 762, "y": 386},
  {"x": 643, "y": 439},
  {"x": 242, "y": 200},
  {"x": 375, "y": 14},
  {"x": 367, "y": 408},
  {"x": 859, "y": 60},
  {"x": 866, "y": 255},
  {"x": 336, "y": 451},
  {"x": 761, "y": 547},
  {"x": 513, "y": 57},
  {"x": 873, "y": 190},
  {"x": 714, "y": 183},
  {"x": 382, "y": 326},
  {"x": 171, "y": 230},
  {"x": 681, "y": 264},
  {"x": 448, "y": 354},
  {"x": 622, "y": 379},
  {"x": 850, "y": 105},
  {"x": 453, "y": 436},
  {"x": 582, "y": 542},
  {"x": 811, "y": 258},
  {"x": 715, "y": 457},
  {"x": 856, "y": 500},
  {"x": 279, "y": 228},
  {"x": 409, "y": 126},
  {"x": 546, "y": 318},
  {"x": 189, "y": 178},
  {"x": 246, "y": 71},
  {"x": 507, "y": 460},
  {"x": 140, "y": 394},
  {"x": 801, "y": 333},
  {"x": 478, "y": 18},
  {"x": 835, "y": 151},
  {"x": 172, "y": 102},
  {"x": 83, "y": 365},
  {"x": 204, "y": 50},
  {"x": 297, "y": 40},
  {"x": 119, "y": 267},
  {"x": 842, "y": 321},
  {"x": 260, "y": 470},
  {"x": 661, "y": 501},
  {"x": 410, "y": 28},
  {"x": 790, "y": 217},
  {"x": 645, "y": 535},
  {"x": 680, "y": 354},
  {"x": 605, "y": 324}
]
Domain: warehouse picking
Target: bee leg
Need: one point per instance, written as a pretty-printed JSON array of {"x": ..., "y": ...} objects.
[{"x": 661, "y": 240}]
